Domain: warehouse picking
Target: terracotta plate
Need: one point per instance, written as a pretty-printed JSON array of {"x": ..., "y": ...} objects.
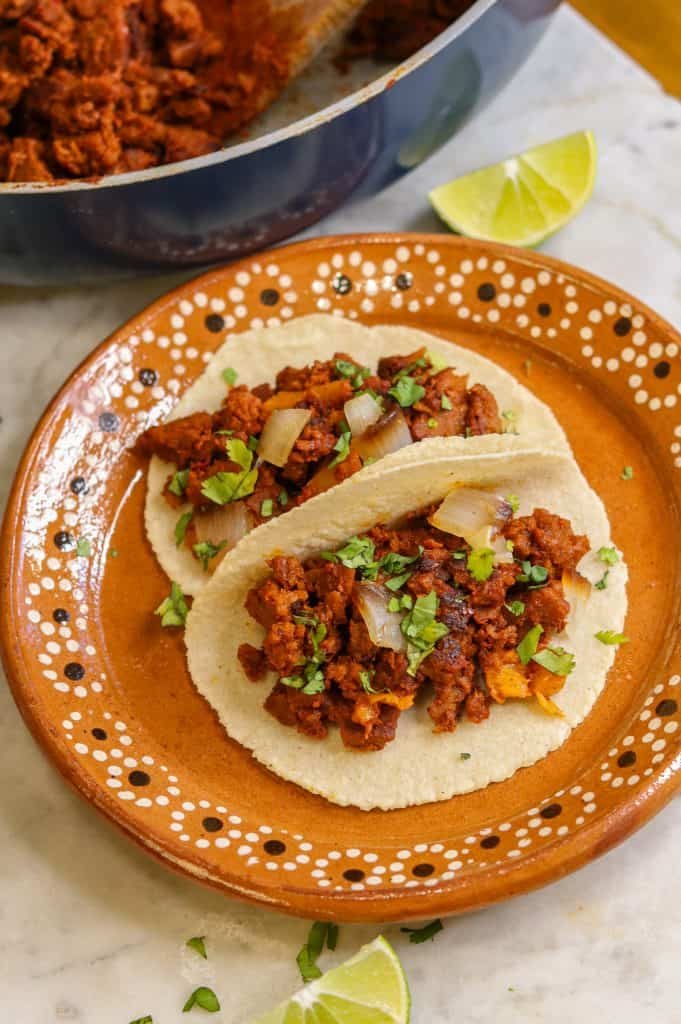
[{"x": 107, "y": 694}]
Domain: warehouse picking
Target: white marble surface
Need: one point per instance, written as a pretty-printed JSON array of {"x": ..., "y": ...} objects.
[{"x": 92, "y": 931}]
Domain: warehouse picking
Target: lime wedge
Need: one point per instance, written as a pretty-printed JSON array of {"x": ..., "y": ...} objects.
[
  {"x": 524, "y": 199},
  {"x": 370, "y": 988}
]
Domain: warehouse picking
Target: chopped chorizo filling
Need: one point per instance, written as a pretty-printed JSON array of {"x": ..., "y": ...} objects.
[
  {"x": 407, "y": 613},
  {"x": 274, "y": 447}
]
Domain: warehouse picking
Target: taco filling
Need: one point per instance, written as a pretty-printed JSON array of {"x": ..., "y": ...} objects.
[
  {"x": 269, "y": 448},
  {"x": 457, "y": 605}
]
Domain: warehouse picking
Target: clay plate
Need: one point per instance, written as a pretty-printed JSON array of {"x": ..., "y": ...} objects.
[{"x": 106, "y": 692}]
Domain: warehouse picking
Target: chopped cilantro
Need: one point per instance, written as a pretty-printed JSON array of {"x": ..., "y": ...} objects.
[
  {"x": 556, "y": 660},
  {"x": 321, "y": 932},
  {"x": 178, "y": 484},
  {"x": 229, "y": 375},
  {"x": 422, "y": 630},
  {"x": 465, "y": 756},
  {"x": 514, "y": 501},
  {"x": 266, "y": 508},
  {"x": 203, "y": 997},
  {"x": 225, "y": 487},
  {"x": 252, "y": 444},
  {"x": 480, "y": 564},
  {"x": 113, "y": 552},
  {"x": 358, "y": 553},
  {"x": 608, "y": 636},
  {"x": 428, "y": 931},
  {"x": 458, "y": 555},
  {"x": 342, "y": 447},
  {"x": 352, "y": 372},
  {"x": 173, "y": 610},
  {"x": 394, "y": 604},
  {"x": 392, "y": 563},
  {"x": 181, "y": 527},
  {"x": 515, "y": 607},
  {"x": 445, "y": 403},
  {"x": 432, "y": 423},
  {"x": 406, "y": 391},
  {"x": 397, "y": 582},
  {"x": 610, "y": 556},
  {"x": 437, "y": 362},
  {"x": 143, "y": 1020},
  {"x": 83, "y": 548},
  {"x": 205, "y": 551},
  {"x": 365, "y": 680},
  {"x": 510, "y": 418},
  {"x": 509, "y": 545},
  {"x": 198, "y": 944},
  {"x": 627, "y": 473},
  {"x": 311, "y": 679},
  {"x": 602, "y": 583},
  {"x": 535, "y": 575},
  {"x": 282, "y": 498},
  {"x": 527, "y": 648}
]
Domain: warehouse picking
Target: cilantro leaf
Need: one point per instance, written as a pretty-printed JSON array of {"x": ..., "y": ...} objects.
[
  {"x": 627, "y": 473},
  {"x": 173, "y": 610},
  {"x": 465, "y": 756},
  {"x": 205, "y": 550},
  {"x": 406, "y": 391},
  {"x": 556, "y": 660},
  {"x": 602, "y": 583},
  {"x": 515, "y": 607},
  {"x": 535, "y": 575},
  {"x": 514, "y": 501},
  {"x": 222, "y": 488},
  {"x": 397, "y": 582},
  {"x": 321, "y": 932},
  {"x": 229, "y": 375},
  {"x": 198, "y": 944},
  {"x": 352, "y": 372},
  {"x": 178, "y": 483},
  {"x": 266, "y": 508},
  {"x": 181, "y": 527},
  {"x": 113, "y": 552},
  {"x": 422, "y": 630},
  {"x": 458, "y": 555},
  {"x": 392, "y": 563},
  {"x": 358, "y": 553},
  {"x": 143, "y": 1020},
  {"x": 394, "y": 604},
  {"x": 480, "y": 564},
  {"x": 239, "y": 453},
  {"x": 437, "y": 362},
  {"x": 342, "y": 447},
  {"x": 428, "y": 931},
  {"x": 445, "y": 403},
  {"x": 610, "y": 556},
  {"x": 311, "y": 678},
  {"x": 431, "y": 423},
  {"x": 282, "y": 498},
  {"x": 609, "y": 636},
  {"x": 527, "y": 648},
  {"x": 203, "y": 997},
  {"x": 83, "y": 548}
]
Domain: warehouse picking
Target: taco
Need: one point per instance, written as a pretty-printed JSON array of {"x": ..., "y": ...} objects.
[
  {"x": 283, "y": 413},
  {"x": 418, "y": 634}
]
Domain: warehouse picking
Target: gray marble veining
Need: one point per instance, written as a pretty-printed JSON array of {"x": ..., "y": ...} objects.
[{"x": 92, "y": 931}]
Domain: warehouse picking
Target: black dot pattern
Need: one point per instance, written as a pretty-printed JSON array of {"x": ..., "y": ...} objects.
[
  {"x": 64, "y": 541},
  {"x": 74, "y": 671},
  {"x": 138, "y": 778},
  {"x": 353, "y": 875},
  {"x": 422, "y": 870},
  {"x": 147, "y": 376},
  {"x": 626, "y": 759},
  {"x": 274, "y": 847},
  {"x": 342, "y": 284},
  {"x": 489, "y": 842},
  {"x": 214, "y": 323},
  {"x": 666, "y": 707},
  {"x": 544, "y": 309},
  {"x": 486, "y": 292},
  {"x": 269, "y": 296},
  {"x": 551, "y": 811},
  {"x": 212, "y": 824},
  {"x": 109, "y": 422},
  {"x": 404, "y": 281},
  {"x": 622, "y": 326},
  {"x": 78, "y": 485},
  {"x": 60, "y": 615},
  {"x": 99, "y": 734},
  {"x": 662, "y": 369}
]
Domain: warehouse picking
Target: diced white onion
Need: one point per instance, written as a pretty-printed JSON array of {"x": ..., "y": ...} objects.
[
  {"x": 280, "y": 433},
  {"x": 470, "y": 513},
  {"x": 383, "y": 626},
  {"x": 228, "y": 523},
  {"x": 387, "y": 435},
  {"x": 361, "y": 412}
]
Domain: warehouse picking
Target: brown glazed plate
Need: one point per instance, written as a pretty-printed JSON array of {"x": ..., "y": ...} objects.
[{"x": 106, "y": 692}]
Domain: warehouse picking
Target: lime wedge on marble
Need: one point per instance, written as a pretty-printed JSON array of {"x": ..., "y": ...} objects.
[
  {"x": 523, "y": 199},
  {"x": 370, "y": 988}
]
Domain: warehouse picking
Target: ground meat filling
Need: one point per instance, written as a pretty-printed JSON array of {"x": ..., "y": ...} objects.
[
  {"x": 428, "y": 401},
  {"x": 464, "y": 642}
]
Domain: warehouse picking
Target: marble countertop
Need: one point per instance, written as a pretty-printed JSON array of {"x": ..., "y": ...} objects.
[{"x": 92, "y": 930}]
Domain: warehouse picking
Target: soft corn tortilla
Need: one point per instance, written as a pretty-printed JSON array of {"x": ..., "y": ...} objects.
[
  {"x": 419, "y": 766},
  {"x": 258, "y": 355}
]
